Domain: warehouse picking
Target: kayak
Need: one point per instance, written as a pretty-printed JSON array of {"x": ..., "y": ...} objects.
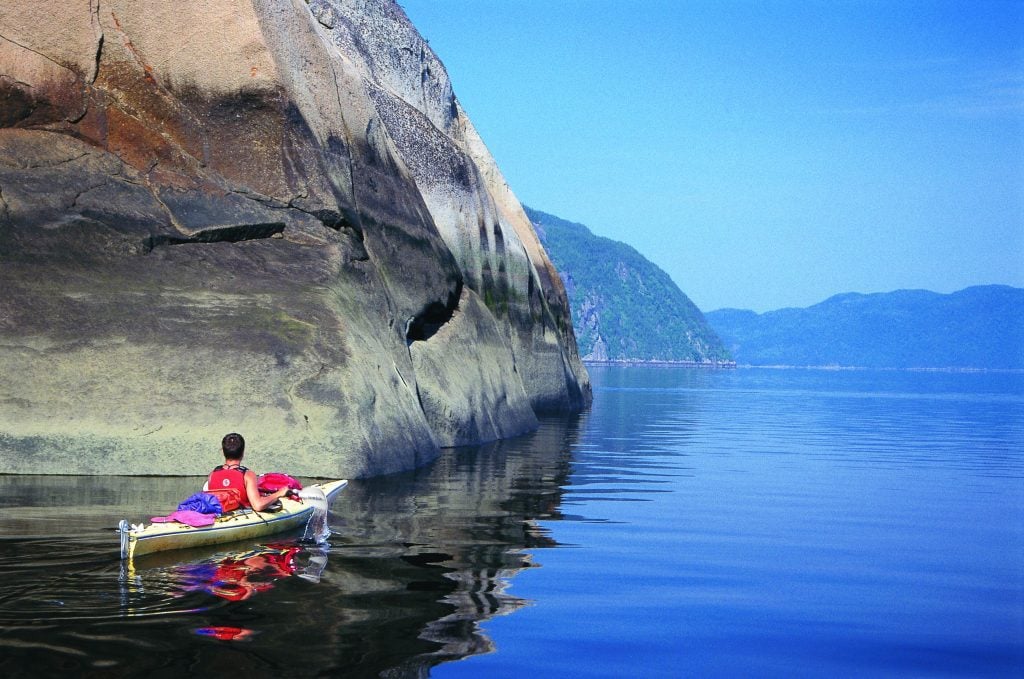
[{"x": 240, "y": 524}]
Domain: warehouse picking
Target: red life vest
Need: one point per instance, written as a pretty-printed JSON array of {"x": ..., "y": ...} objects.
[{"x": 228, "y": 484}]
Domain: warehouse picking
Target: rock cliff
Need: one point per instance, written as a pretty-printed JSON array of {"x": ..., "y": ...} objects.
[{"x": 268, "y": 216}]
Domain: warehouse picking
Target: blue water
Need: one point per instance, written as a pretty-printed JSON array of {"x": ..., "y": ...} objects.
[
  {"x": 748, "y": 522},
  {"x": 780, "y": 522}
]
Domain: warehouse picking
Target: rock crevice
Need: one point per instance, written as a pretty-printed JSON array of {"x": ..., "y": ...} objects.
[{"x": 223, "y": 234}]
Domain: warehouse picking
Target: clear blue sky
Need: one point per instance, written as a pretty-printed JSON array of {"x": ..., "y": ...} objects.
[{"x": 765, "y": 154}]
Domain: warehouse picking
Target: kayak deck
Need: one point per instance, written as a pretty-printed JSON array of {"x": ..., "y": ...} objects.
[{"x": 237, "y": 525}]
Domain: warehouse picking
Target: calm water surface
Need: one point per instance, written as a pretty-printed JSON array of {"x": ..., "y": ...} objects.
[{"x": 693, "y": 523}]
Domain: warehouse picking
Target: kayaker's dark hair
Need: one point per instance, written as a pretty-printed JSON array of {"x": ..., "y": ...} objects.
[{"x": 233, "y": 446}]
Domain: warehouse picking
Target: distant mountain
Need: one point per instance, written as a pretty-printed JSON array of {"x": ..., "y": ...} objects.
[
  {"x": 979, "y": 327},
  {"x": 624, "y": 308}
]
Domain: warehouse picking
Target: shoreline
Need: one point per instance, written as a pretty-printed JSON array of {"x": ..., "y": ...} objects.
[
  {"x": 661, "y": 364},
  {"x": 731, "y": 365}
]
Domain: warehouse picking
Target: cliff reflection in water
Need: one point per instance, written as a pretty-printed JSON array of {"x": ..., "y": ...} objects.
[
  {"x": 441, "y": 543},
  {"x": 415, "y": 562}
]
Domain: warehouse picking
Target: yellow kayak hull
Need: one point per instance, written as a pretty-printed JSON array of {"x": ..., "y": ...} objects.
[{"x": 238, "y": 525}]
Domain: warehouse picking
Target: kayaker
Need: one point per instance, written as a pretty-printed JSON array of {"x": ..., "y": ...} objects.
[{"x": 234, "y": 484}]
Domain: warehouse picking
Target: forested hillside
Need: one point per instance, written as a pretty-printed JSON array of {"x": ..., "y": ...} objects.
[
  {"x": 624, "y": 308},
  {"x": 980, "y": 327}
]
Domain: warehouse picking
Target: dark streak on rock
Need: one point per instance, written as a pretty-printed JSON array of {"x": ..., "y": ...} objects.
[{"x": 5, "y": 211}]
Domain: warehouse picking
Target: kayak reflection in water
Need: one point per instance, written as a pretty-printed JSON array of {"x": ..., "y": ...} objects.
[
  {"x": 226, "y": 633},
  {"x": 237, "y": 577}
]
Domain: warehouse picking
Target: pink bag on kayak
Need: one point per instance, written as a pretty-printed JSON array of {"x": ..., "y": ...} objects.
[
  {"x": 188, "y": 517},
  {"x": 275, "y": 481}
]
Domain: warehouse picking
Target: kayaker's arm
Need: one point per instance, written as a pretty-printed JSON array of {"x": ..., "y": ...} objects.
[{"x": 260, "y": 502}]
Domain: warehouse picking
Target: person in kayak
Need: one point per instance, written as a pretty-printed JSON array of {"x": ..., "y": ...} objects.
[{"x": 235, "y": 485}]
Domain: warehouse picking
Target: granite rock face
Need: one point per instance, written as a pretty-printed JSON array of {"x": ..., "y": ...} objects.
[{"x": 265, "y": 216}]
